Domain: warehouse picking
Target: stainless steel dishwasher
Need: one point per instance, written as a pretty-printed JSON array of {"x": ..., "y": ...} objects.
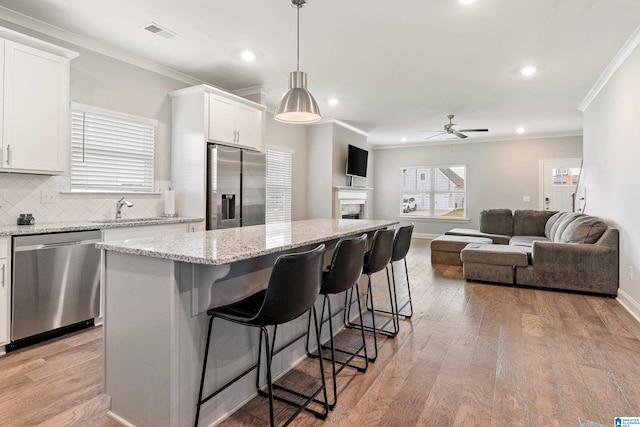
[{"x": 56, "y": 281}]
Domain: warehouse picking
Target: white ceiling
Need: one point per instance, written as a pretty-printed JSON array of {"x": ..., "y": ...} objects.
[{"x": 396, "y": 66}]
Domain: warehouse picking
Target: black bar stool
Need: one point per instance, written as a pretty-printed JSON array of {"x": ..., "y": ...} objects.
[
  {"x": 342, "y": 275},
  {"x": 401, "y": 246},
  {"x": 293, "y": 288},
  {"x": 375, "y": 260}
]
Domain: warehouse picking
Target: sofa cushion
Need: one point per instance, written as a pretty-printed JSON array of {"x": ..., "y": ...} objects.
[
  {"x": 530, "y": 222},
  {"x": 494, "y": 254},
  {"x": 562, "y": 223},
  {"x": 550, "y": 223},
  {"x": 496, "y": 221},
  {"x": 584, "y": 229},
  {"x": 498, "y": 239},
  {"x": 526, "y": 241}
]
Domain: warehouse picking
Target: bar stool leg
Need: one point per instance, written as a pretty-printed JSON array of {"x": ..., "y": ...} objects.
[
  {"x": 371, "y": 328},
  {"x": 409, "y": 302},
  {"x": 204, "y": 370}
]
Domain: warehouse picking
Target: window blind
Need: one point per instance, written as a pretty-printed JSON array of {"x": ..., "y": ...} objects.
[
  {"x": 110, "y": 151},
  {"x": 278, "y": 186}
]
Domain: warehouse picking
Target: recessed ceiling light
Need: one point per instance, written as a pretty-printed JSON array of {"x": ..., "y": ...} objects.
[
  {"x": 528, "y": 70},
  {"x": 467, "y": 1},
  {"x": 520, "y": 130},
  {"x": 333, "y": 101},
  {"x": 403, "y": 139},
  {"x": 248, "y": 55}
]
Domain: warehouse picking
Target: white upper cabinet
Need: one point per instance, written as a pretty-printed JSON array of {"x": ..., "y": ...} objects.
[
  {"x": 234, "y": 123},
  {"x": 35, "y": 106}
]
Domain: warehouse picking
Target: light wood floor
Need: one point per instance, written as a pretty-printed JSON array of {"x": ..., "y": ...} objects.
[{"x": 472, "y": 355}]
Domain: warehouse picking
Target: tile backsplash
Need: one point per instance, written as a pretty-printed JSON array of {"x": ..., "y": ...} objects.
[{"x": 22, "y": 193}]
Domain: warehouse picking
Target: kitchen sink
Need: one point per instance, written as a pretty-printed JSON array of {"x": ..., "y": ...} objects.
[{"x": 127, "y": 220}]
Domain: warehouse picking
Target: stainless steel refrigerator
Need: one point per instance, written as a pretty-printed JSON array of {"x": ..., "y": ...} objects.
[{"x": 236, "y": 180}]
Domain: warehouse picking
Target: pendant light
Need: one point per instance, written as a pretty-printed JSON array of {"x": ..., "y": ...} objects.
[{"x": 298, "y": 105}]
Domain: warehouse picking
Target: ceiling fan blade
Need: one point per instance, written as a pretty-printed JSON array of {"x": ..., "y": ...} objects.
[
  {"x": 433, "y": 136},
  {"x": 473, "y": 130},
  {"x": 459, "y": 135},
  {"x": 430, "y": 131}
]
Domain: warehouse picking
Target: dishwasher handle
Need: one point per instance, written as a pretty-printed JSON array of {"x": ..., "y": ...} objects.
[{"x": 43, "y": 246}]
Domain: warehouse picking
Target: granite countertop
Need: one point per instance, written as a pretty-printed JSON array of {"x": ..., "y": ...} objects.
[
  {"x": 216, "y": 247},
  {"x": 56, "y": 227}
]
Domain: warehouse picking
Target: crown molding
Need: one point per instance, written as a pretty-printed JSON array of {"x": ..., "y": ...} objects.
[
  {"x": 350, "y": 127},
  {"x": 627, "y": 49},
  {"x": 93, "y": 45},
  {"x": 475, "y": 141}
]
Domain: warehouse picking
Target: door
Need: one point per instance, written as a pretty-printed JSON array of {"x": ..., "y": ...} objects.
[
  {"x": 224, "y": 186},
  {"x": 253, "y": 187},
  {"x": 558, "y": 181}
]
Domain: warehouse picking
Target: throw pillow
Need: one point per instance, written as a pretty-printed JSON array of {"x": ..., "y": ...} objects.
[{"x": 585, "y": 229}]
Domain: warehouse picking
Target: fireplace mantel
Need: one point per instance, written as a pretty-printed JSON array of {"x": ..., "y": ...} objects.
[{"x": 350, "y": 198}]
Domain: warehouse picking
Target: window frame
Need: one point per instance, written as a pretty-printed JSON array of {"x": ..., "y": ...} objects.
[
  {"x": 146, "y": 144},
  {"x": 430, "y": 176}
]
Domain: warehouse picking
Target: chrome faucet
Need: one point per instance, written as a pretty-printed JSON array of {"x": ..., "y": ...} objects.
[{"x": 119, "y": 204}]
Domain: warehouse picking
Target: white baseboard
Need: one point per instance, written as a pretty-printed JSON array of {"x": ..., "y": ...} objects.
[
  {"x": 119, "y": 419},
  {"x": 631, "y": 305}
]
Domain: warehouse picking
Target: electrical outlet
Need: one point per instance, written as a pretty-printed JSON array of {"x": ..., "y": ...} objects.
[
  {"x": 1, "y": 198},
  {"x": 48, "y": 196},
  {"x": 630, "y": 272},
  {"x": 526, "y": 198}
]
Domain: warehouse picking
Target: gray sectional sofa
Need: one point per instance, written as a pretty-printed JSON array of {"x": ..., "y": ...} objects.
[{"x": 571, "y": 251}]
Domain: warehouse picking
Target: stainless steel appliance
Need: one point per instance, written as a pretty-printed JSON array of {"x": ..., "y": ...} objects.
[
  {"x": 236, "y": 182},
  {"x": 56, "y": 281}
]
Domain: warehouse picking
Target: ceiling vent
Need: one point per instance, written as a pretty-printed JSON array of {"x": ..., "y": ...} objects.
[{"x": 159, "y": 30}]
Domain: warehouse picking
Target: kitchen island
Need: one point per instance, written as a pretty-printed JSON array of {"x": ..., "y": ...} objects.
[{"x": 157, "y": 291}]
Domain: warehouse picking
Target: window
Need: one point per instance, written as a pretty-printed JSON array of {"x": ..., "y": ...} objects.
[
  {"x": 278, "y": 203},
  {"x": 434, "y": 191},
  {"x": 565, "y": 177},
  {"x": 110, "y": 151}
]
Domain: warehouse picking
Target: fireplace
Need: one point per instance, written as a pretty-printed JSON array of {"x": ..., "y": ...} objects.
[{"x": 350, "y": 202}]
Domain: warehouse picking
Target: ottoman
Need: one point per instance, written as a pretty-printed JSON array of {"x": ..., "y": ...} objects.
[
  {"x": 492, "y": 263},
  {"x": 446, "y": 249}
]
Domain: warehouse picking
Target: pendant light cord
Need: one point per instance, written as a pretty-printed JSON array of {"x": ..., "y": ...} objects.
[{"x": 298, "y": 41}]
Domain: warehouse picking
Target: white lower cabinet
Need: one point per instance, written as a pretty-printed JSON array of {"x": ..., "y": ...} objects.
[{"x": 5, "y": 289}]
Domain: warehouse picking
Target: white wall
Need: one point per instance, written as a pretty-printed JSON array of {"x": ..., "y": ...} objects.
[
  {"x": 499, "y": 175},
  {"x": 319, "y": 170},
  {"x": 611, "y": 156}
]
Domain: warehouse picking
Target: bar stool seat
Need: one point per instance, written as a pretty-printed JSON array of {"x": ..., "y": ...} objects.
[
  {"x": 342, "y": 275},
  {"x": 292, "y": 290}
]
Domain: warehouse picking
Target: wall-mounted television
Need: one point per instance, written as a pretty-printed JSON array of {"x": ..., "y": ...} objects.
[{"x": 357, "y": 161}]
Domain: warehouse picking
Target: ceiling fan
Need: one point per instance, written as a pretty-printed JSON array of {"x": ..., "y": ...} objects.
[{"x": 450, "y": 130}]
